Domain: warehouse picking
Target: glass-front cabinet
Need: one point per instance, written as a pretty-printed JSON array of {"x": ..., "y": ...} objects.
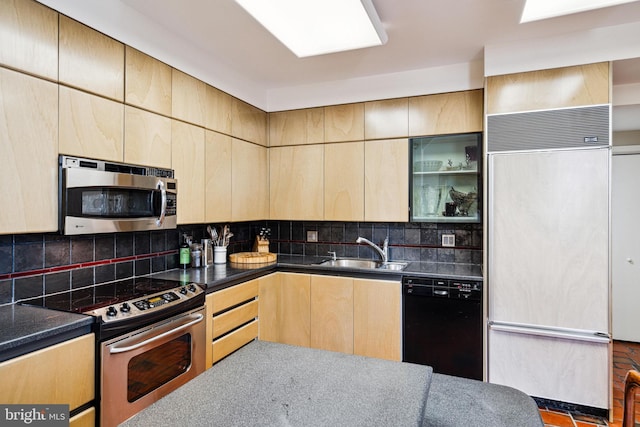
[{"x": 445, "y": 178}]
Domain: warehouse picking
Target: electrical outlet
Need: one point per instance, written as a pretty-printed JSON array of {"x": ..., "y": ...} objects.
[
  {"x": 448, "y": 240},
  {"x": 312, "y": 236}
]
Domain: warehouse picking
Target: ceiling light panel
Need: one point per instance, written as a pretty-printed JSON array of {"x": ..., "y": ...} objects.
[
  {"x": 535, "y": 10},
  {"x": 316, "y": 27}
]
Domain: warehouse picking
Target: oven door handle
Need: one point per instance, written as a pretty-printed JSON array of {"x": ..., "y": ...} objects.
[
  {"x": 198, "y": 319},
  {"x": 163, "y": 203}
]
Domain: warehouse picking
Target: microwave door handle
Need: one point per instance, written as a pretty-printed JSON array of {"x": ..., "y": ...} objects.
[
  {"x": 192, "y": 321},
  {"x": 163, "y": 207}
]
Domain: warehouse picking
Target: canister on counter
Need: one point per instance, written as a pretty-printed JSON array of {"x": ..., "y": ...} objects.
[
  {"x": 196, "y": 255},
  {"x": 207, "y": 252}
]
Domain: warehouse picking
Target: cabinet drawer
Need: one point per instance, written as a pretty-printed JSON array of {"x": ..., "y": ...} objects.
[
  {"x": 233, "y": 318},
  {"x": 61, "y": 374},
  {"x": 229, "y": 297},
  {"x": 86, "y": 418},
  {"x": 236, "y": 339}
]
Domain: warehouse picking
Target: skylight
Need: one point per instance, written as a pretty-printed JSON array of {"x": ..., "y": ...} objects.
[
  {"x": 535, "y": 10},
  {"x": 319, "y": 27}
]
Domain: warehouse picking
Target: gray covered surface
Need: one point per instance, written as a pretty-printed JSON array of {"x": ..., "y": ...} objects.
[
  {"x": 267, "y": 384},
  {"x": 459, "y": 402}
]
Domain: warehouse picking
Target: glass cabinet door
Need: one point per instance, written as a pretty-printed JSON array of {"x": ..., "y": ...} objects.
[{"x": 446, "y": 178}]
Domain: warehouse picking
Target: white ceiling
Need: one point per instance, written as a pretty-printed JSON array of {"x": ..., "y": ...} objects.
[{"x": 218, "y": 42}]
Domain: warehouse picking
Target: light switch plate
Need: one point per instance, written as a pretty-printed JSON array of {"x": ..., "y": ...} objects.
[
  {"x": 312, "y": 236},
  {"x": 449, "y": 240}
]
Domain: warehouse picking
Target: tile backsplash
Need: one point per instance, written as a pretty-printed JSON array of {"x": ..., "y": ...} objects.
[{"x": 33, "y": 265}]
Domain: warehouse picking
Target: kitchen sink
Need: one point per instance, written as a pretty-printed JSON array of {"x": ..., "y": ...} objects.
[{"x": 363, "y": 264}]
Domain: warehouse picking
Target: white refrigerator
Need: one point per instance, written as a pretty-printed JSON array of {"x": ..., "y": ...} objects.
[{"x": 548, "y": 278}]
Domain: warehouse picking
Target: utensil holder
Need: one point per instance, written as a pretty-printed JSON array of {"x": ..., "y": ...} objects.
[{"x": 219, "y": 255}]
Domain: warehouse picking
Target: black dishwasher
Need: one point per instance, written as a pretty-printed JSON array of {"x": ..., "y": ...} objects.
[{"x": 442, "y": 325}]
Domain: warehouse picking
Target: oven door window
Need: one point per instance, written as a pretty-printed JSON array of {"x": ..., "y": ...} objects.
[
  {"x": 157, "y": 366},
  {"x": 113, "y": 202}
]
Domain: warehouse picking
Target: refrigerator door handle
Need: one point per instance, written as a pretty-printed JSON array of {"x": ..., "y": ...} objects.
[{"x": 552, "y": 332}]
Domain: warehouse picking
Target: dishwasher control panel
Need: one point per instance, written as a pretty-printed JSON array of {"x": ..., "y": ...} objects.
[{"x": 442, "y": 288}]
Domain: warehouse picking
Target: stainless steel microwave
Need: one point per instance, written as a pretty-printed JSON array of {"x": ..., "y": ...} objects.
[{"x": 97, "y": 196}]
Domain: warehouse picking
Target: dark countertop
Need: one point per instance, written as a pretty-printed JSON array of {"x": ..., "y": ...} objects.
[
  {"x": 24, "y": 329},
  {"x": 220, "y": 276}
]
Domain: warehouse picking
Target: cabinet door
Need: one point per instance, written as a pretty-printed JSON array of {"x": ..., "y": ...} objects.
[
  {"x": 296, "y": 127},
  {"x": 218, "y": 110},
  {"x": 187, "y": 156},
  {"x": 90, "y": 60},
  {"x": 294, "y": 309},
  {"x": 147, "y": 82},
  {"x": 60, "y": 374},
  {"x": 29, "y": 37},
  {"x": 332, "y": 313},
  {"x": 91, "y": 126},
  {"x": 446, "y": 113},
  {"x": 285, "y": 308},
  {"x": 386, "y": 119},
  {"x": 344, "y": 181},
  {"x": 218, "y": 177},
  {"x": 28, "y": 154},
  {"x": 147, "y": 138},
  {"x": 386, "y": 185},
  {"x": 377, "y": 319},
  {"x": 344, "y": 122},
  {"x": 188, "y": 98},
  {"x": 296, "y": 183},
  {"x": 248, "y": 122},
  {"x": 250, "y": 181}
]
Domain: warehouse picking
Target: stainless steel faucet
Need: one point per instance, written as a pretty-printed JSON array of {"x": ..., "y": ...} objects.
[{"x": 384, "y": 252}]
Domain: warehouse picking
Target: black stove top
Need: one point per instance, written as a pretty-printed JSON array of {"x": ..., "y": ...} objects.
[{"x": 88, "y": 299}]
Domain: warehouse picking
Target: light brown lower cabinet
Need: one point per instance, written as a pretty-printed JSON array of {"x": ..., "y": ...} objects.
[
  {"x": 336, "y": 313},
  {"x": 86, "y": 418},
  {"x": 284, "y": 309},
  {"x": 377, "y": 319},
  {"x": 231, "y": 320},
  {"x": 61, "y": 374},
  {"x": 332, "y": 313}
]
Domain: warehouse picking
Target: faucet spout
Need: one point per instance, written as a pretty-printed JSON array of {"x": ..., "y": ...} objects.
[{"x": 384, "y": 251}]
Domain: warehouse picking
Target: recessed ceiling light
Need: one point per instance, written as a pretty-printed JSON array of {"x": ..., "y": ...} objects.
[
  {"x": 535, "y": 10},
  {"x": 311, "y": 28}
]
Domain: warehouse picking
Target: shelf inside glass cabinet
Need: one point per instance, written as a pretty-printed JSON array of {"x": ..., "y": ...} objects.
[{"x": 445, "y": 178}]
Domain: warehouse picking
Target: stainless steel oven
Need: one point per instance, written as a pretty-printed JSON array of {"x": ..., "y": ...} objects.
[
  {"x": 140, "y": 367},
  {"x": 96, "y": 196}
]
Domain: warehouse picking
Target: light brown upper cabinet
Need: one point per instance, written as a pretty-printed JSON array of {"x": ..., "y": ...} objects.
[
  {"x": 147, "y": 82},
  {"x": 446, "y": 113},
  {"x": 250, "y": 181},
  {"x": 218, "y": 110},
  {"x": 188, "y": 98},
  {"x": 29, "y": 37},
  {"x": 90, "y": 60},
  {"x": 296, "y": 182},
  {"x": 91, "y": 126},
  {"x": 187, "y": 159},
  {"x": 332, "y": 313},
  {"x": 28, "y": 154},
  {"x": 147, "y": 138},
  {"x": 217, "y": 177},
  {"x": 377, "y": 328},
  {"x": 296, "y": 127},
  {"x": 556, "y": 88},
  {"x": 386, "y": 119},
  {"x": 386, "y": 184},
  {"x": 248, "y": 122},
  {"x": 344, "y": 122},
  {"x": 344, "y": 181}
]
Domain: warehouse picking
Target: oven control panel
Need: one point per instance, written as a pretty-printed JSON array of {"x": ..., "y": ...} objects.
[{"x": 147, "y": 304}]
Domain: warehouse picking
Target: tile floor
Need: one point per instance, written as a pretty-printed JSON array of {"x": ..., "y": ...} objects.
[{"x": 626, "y": 356}]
